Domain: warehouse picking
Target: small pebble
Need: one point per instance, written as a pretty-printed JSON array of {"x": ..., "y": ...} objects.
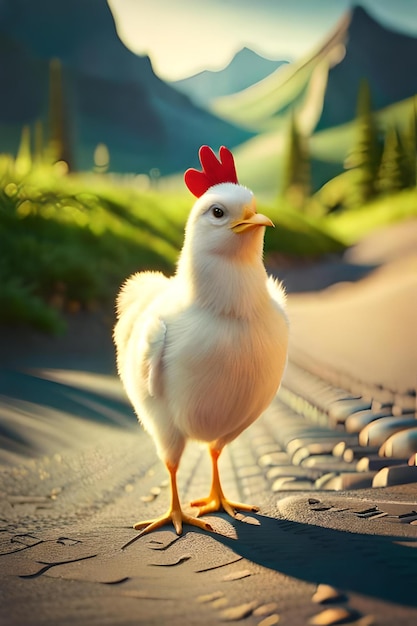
[
  {"x": 337, "y": 615},
  {"x": 243, "y": 573},
  {"x": 247, "y": 472},
  {"x": 235, "y": 613},
  {"x": 265, "y": 609},
  {"x": 141, "y": 594},
  {"x": 326, "y": 594},
  {"x": 270, "y": 620},
  {"x": 250, "y": 520},
  {"x": 55, "y": 493},
  {"x": 366, "y": 620},
  {"x": 397, "y": 475},
  {"x": 272, "y": 459},
  {"x": 67, "y": 541},
  {"x": 413, "y": 459},
  {"x": 210, "y": 597},
  {"x": 148, "y": 498},
  {"x": 181, "y": 559}
]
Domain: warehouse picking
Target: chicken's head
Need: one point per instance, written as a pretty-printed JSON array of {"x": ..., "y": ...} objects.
[{"x": 224, "y": 218}]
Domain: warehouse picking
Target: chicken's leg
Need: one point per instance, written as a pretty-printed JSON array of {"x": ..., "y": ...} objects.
[
  {"x": 216, "y": 501},
  {"x": 174, "y": 514}
]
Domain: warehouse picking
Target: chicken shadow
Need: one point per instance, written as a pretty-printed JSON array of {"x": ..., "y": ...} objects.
[{"x": 372, "y": 565}]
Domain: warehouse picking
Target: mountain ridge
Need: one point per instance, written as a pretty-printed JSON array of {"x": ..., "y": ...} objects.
[{"x": 246, "y": 68}]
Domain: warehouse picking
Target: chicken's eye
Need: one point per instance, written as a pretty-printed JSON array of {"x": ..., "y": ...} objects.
[{"x": 217, "y": 212}]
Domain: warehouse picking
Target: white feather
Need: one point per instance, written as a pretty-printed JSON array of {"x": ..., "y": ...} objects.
[{"x": 201, "y": 354}]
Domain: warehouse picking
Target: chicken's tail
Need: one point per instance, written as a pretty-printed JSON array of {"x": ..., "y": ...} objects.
[
  {"x": 134, "y": 297},
  {"x": 139, "y": 290}
]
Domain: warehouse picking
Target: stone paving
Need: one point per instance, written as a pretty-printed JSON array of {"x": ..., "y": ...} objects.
[{"x": 326, "y": 547}]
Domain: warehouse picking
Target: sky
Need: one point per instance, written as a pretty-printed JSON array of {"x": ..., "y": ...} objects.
[{"x": 183, "y": 37}]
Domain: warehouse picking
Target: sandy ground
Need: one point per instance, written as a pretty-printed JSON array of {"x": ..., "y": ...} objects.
[{"x": 366, "y": 329}]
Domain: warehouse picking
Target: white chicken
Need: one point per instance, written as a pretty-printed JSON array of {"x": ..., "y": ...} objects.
[{"x": 201, "y": 354}]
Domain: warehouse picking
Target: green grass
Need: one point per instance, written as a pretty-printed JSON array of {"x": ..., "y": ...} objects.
[
  {"x": 351, "y": 226},
  {"x": 298, "y": 235},
  {"x": 68, "y": 242}
]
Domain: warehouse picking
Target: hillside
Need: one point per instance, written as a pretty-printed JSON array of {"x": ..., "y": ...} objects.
[
  {"x": 112, "y": 96},
  {"x": 324, "y": 86},
  {"x": 245, "y": 69},
  {"x": 259, "y": 160}
]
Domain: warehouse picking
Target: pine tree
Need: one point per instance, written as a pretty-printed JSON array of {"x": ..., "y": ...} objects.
[
  {"x": 23, "y": 162},
  {"x": 296, "y": 183},
  {"x": 365, "y": 155},
  {"x": 392, "y": 175},
  {"x": 38, "y": 143},
  {"x": 409, "y": 144},
  {"x": 59, "y": 142}
]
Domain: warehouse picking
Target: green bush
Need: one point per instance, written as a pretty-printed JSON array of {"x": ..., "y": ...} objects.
[
  {"x": 18, "y": 306},
  {"x": 68, "y": 243}
]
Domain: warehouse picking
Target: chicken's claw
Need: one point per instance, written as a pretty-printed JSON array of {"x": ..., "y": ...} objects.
[
  {"x": 215, "y": 503},
  {"x": 176, "y": 517}
]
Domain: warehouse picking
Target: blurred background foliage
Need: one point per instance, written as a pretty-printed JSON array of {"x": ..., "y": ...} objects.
[
  {"x": 68, "y": 241},
  {"x": 69, "y": 236}
]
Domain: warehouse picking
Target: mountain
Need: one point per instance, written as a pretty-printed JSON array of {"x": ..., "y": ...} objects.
[
  {"x": 112, "y": 96},
  {"x": 245, "y": 69},
  {"x": 324, "y": 86},
  {"x": 322, "y": 90},
  {"x": 387, "y": 59}
]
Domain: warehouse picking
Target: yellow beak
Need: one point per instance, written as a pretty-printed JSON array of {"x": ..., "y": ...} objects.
[{"x": 250, "y": 219}]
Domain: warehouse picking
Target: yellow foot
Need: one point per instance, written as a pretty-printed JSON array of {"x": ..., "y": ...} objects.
[
  {"x": 216, "y": 502},
  {"x": 176, "y": 517}
]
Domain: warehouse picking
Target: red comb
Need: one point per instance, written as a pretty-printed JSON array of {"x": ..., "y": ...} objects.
[{"x": 214, "y": 171}]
